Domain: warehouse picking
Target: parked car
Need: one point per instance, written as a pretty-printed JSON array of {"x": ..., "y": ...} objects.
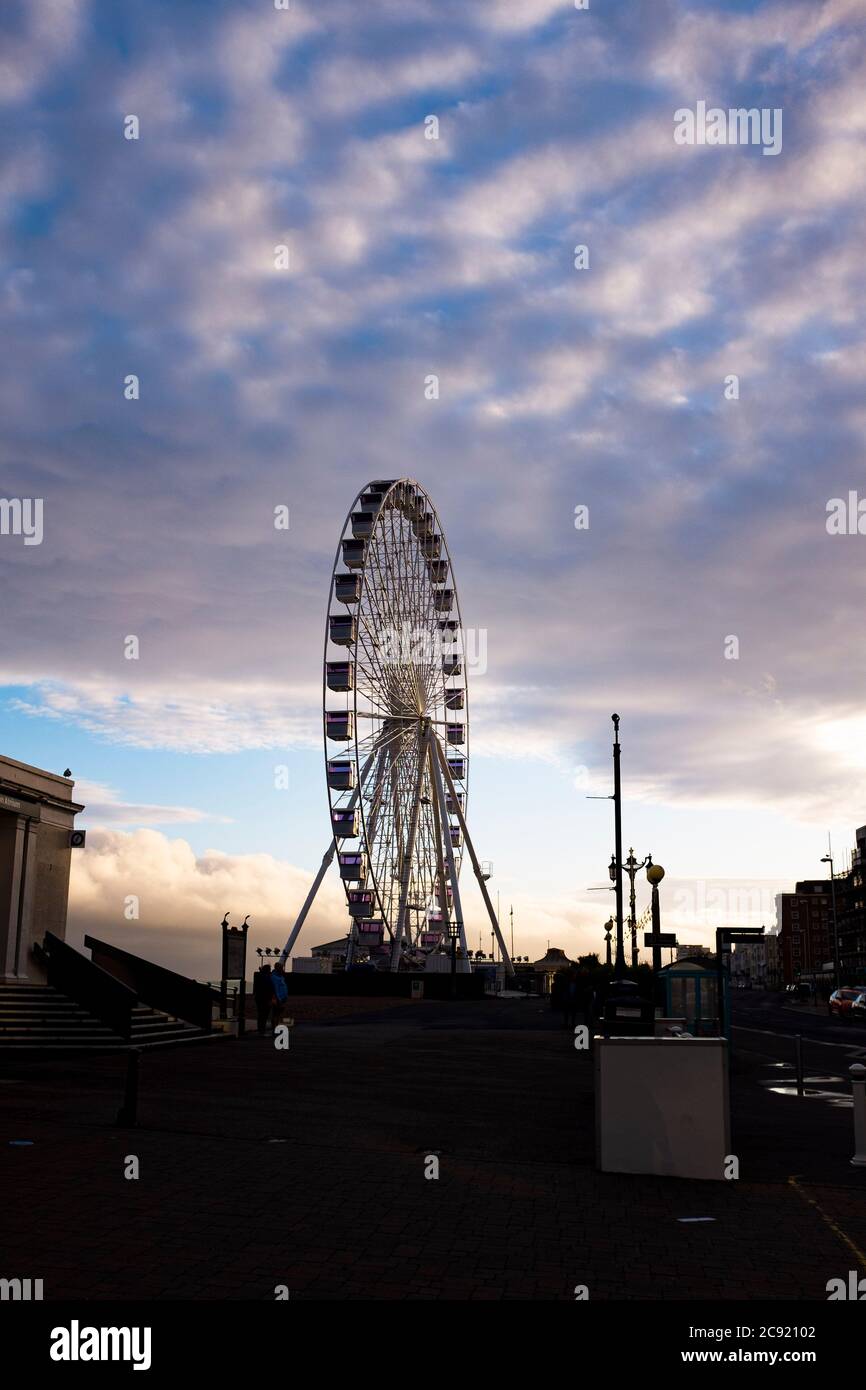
[
  {"x": 842, "y": 999},
  {"x": 858, "y": 1009}
]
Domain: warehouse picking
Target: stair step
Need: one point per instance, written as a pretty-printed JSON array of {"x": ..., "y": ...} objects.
[
  {"x": 43, "y": 1030},
  {"x": 48, "y": 1006},
  {"x": 163, "y": 1033},
  {"x": 38, "y": 1018}
]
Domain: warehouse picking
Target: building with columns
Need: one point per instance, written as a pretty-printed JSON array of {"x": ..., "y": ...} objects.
[{"x": 37, "y": 817}]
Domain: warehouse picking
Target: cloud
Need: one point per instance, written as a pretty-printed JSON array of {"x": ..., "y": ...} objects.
[
  {"x": 202, "y": 720},
  {"x": 182, "y": 899},
  {"x": 104, "y": 808},
  {"x": 349, "y": 84},
  {"x": 560, "y": 387},
  {"x": 41, "y": 36}
]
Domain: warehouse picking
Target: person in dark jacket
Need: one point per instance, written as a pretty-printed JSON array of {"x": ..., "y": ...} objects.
[
  {"x": 571, "y": 998},
  {"x": 588, "y": 1002},
  {"x": 279, "y": 994},
  {"x": 264, "y": 996}
]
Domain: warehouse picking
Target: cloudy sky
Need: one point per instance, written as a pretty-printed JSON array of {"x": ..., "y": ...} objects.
[{"x": 606, "y": 387}]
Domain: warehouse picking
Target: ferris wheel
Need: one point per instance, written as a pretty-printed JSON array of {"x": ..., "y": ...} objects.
[{"x": 396, "y": 731}]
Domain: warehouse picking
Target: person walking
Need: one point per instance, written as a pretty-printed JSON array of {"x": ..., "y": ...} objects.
[
  {"x": 571, "y": 1000},
  {"x": 263, "y": 994},
  {"x": 589, "y": 1004},
  {"x": 280, "y": 994}
]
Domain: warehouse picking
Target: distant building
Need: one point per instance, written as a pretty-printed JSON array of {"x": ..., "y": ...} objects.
[
  {"x": 851, "y": 907},
  {"x": 334, "y": 950},
  {"x": 757, "y": 962},
  {"x": 805, "y": 930},
  {"x": 37, "y": 816},
  {"x": 546, "y": 968},
  {"x": 692, "y": 952}
]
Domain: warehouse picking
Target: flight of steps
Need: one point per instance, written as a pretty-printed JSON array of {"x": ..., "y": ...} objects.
[{"x": 37, "y": 1018}]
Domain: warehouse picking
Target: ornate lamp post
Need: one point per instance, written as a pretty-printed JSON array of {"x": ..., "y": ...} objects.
[
  {"x": 655, "y": 873},
  {"x": 632, "y": 867},
  {"x": 608, "y": 929}
]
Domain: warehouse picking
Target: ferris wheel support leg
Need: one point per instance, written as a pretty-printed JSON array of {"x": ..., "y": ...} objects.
[
  {"x": 494, "y": 921},
  {"x": 308, "y": 901},
  {"x": 371, "y": 839},
  {"x": 406, "y": 871},
  {"x": 445, "y": 838},
  {"x": 438, "y": 806},
  {"x": 327, "y": 860}
]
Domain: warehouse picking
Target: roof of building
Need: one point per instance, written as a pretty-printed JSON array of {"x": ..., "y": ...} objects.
[
  {"x": 554, "y": 959},
  {"x": 693, "y": 965},
  {"x": 329, "y": 948}
]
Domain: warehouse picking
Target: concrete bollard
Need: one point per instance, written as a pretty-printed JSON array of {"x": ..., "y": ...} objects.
[{"x": 858, "y": 1090}]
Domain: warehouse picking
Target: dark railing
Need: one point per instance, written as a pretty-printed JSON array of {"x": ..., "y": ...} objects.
[
  {"x": 93, "y": 988},
  {"x": 160, "y": 988}
]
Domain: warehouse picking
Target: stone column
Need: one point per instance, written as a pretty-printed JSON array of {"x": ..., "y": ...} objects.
[
  {"x": 10, "y": 887},
  {"x": 26, "y": 898},
  {"x": 17, "y": 895}
]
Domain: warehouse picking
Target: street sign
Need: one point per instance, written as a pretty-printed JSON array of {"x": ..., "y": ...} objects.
[
  {"x": 235, "y": 954},
  {"x": 664, "y": 938}
]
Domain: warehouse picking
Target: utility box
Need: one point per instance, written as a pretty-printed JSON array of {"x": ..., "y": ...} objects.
[{"x": 662, "y": 1106}]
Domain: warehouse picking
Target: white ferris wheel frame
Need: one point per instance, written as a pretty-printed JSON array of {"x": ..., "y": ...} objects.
[{"x": 406, "y": 709}]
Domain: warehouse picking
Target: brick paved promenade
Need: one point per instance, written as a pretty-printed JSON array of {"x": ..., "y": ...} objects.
[{"x": 306, "y": 1169}]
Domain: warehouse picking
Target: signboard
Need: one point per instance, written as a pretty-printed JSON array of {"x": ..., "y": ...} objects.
[
  {"x": 664, "y": 938},
  {"x": 236, "y": 954}
]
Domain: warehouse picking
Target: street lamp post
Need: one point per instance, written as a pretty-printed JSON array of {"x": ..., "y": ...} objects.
[
  {"x": 632, "y": 867},
  {"x": 616, "y": 864},
  {"x": 837, "y": 970},
  {"x": 608, "y": 928},
  {"x": 655, "y": 873}
]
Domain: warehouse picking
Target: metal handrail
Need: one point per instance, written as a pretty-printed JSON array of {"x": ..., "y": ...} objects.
[
  {"x": 88, "y": 984},
  {"x": 160, "y": 988}
]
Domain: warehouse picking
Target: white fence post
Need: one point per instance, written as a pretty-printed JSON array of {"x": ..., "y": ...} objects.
[{"x": 858, "y": 1090}]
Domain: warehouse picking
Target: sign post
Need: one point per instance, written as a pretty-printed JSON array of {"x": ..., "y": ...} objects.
[
  {"x": 234, "y": 967},
  {"x": 725, "y": 938},
  {"x": 668, "y": 939}
]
